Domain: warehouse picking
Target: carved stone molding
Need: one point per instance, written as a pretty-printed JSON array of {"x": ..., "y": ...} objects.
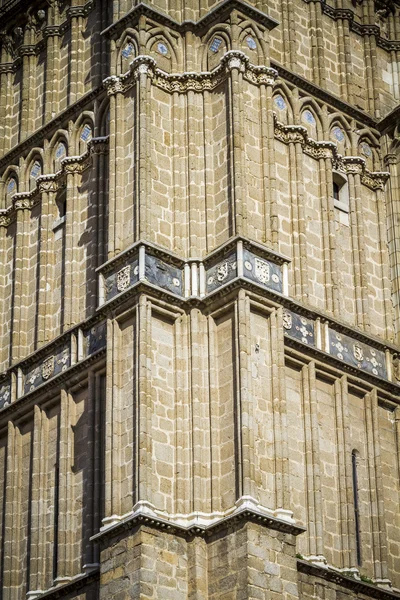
[
  {"x": 391, "y": 159},
  {"x": 76, "y": 164},
  {"x": 25, "y": 200},
  {"x": 362, "y": 30},
  {"x": 326, "y": 149},
  {"x": 98, "y": 145},
  {"x": 47, "y": 183},
  {"x": 120, "y": 84},
  {"x": 194, "y": 81}
]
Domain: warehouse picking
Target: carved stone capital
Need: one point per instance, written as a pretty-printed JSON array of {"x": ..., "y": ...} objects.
[
  {"x": 114, "y": 85},
  {"x": 391, "y": 159},
  {"x": 24, "y": 200},
  {"x": 235, "y": 59},
  {"x": 143, "y": 65},
  {"x": 47, "y": 183},
  {"x": 98, "y": 145}
]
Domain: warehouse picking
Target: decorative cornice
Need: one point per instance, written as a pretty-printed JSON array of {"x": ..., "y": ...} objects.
[
  {"x": 141, "y": 518},
  {"x": 362, "y": 30},
  {"x": 327, "y": 149},
  {"x": 217, "y": 14},
  {"x": 51, "y": 182},
  {"x": 350, "y": 583},
  {"x": 195, "y": 81},
  {"x": 78, "y": 583}
]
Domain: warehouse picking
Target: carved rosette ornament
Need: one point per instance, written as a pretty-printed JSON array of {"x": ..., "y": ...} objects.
[{"x": 47, "y": 368}]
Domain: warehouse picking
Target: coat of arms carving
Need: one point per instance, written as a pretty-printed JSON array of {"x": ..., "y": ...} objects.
[
  {"x": 222, "y": 271},
  {"x": 261, "y": 270},
  {"x": 48, "y": 367},
  {"x": 358, "y": 352},
  {"x": 124, "y": 278}
]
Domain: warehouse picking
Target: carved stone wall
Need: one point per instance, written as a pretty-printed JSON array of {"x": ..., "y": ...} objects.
[{"x": 199, "y": 369}]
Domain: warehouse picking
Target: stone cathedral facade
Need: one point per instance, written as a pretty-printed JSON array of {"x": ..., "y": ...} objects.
[{"x": 200, "y": 299}]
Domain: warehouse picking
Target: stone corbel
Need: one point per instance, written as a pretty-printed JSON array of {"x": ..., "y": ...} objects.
[
  {"x": 25, "y": 200},
  {"x": 391, "y": 159},
  {"x": 5, "y": 218},
  {"x": 47, "y": 183},
  {"x": 76, "y": 164},
  {"x": 98, "y": 145}
]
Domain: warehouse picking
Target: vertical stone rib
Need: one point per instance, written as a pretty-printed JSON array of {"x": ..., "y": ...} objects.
[
  {"x": 325, "y": 217},
  {"x": 363, "y": 265},
  {"x": 214, "y": 414},
  {"x": 143, "y": 125},
  {"x": 46, "y": 270},
  {"x": 382, "y": 536},
  {"x": 66, "y": 493},
  {"x": 246, "y": 399},
  {"x": 4, "y": 304},
  {"x": 268, "y": 187},
  {"x": 344, "y": 470},
  {"x": 379, "y": 565},
  {"x": 19, "y": 333},
  {"x": 209, "y": 181},
  {"x": 113, "y": 175},
  {"x": 90, "y": 499},
  {"x": 237, "y": 136},
  {"x": 313, "y": 461},
  {"x": 383, "y": 247},
  {"x": 36, "y": 568},
  {"x": 359, "y": 314},
  {"x": 144, "y": 399},
  {"x": 5, "y": 103},
  {"x": 282, "y": 492},
  {"x": 182, "y": 438},
  {"x": 11, "y": 520},
  {"x": 301, "y": 221},
  {"x": 273, "y": 226}
]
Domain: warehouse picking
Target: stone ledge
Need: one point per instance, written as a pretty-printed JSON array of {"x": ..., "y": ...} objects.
[
  {"x": 345, "y": 581},
  {"x": 77, "y": 583},
  {"x": 218, "y": 12},
  {"x": 145, "y": 517}
]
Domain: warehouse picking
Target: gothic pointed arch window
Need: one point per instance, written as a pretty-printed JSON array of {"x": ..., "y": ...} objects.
[
  {"x": 11, "y": 187},
  {"x": 85, "y": 135},
  {"x": 34, "y": 172},
  {"x": 60, "y": 153}
]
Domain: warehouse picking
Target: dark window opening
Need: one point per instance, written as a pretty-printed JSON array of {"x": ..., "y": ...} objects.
[{"x": 336, "y": 191}]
